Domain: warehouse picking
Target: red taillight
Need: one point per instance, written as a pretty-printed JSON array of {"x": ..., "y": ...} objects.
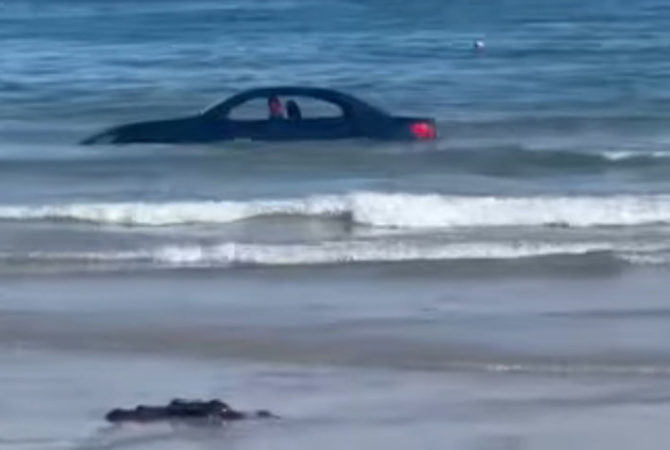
[{"x": 423, "y": 130}]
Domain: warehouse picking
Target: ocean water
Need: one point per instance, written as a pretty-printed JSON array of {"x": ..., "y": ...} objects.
[{"x": 503, "y": 287}]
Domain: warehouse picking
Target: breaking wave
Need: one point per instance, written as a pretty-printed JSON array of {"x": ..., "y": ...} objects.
[
  {"x": 520, "y": 161},
  {"x": 334, "y": 252},
  {"x": 401, "y": 210},
  {"x": 624, "y": 155}
]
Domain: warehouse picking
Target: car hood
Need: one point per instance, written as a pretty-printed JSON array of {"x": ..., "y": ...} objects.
[{"x": 169, "y": 130}]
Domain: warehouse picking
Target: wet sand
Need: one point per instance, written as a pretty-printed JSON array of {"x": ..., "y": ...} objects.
[{"x": 349, "y": 358}]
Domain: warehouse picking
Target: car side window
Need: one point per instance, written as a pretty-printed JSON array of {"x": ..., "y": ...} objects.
[
  {"x": 293, "y": 107},
  {"x": 253, "y": 109},
  {"x": 313, "y": 108}
]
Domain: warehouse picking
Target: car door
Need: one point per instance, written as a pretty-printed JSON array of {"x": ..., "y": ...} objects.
[
  {"x": 249, "y": 121},
  {"x": 311, "y": 118}
]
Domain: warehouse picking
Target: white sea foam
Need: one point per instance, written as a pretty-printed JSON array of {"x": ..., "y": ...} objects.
[
  {"x": 332, "y": 252},
  {"x": 401, "y": 210},
  {"x": 623, "y": 155},
  {"x": 646, "y": 259},
  {"x": 339, "y": 252},
  {"x": 404, "y": 210},
  {"x": 175, "y": 213}
]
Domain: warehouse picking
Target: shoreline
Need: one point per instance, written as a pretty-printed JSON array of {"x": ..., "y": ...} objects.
[{"x": 325, "y": 406}]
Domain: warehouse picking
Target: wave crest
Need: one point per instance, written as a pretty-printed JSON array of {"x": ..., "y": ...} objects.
[
  {"x": 400, "y": 210},
  {"x": 333, "y": 252}
]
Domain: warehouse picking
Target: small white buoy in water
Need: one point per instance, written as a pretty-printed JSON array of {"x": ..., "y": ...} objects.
[{"x": 479, "y": 45}]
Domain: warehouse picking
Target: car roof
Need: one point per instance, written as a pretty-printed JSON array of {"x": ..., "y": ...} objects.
[{"x": 343, "y": 100}]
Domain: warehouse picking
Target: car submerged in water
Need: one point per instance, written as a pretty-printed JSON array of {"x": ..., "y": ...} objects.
[{"x": 258, "y": 115}]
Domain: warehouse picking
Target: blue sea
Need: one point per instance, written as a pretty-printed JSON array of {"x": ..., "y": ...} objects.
[{"x": 503, "y": 287}]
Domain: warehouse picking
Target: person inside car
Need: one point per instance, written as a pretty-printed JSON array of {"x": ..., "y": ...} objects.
[
  {"x": 275, "y": 108},
  {"x": 293, "y": 110}
]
